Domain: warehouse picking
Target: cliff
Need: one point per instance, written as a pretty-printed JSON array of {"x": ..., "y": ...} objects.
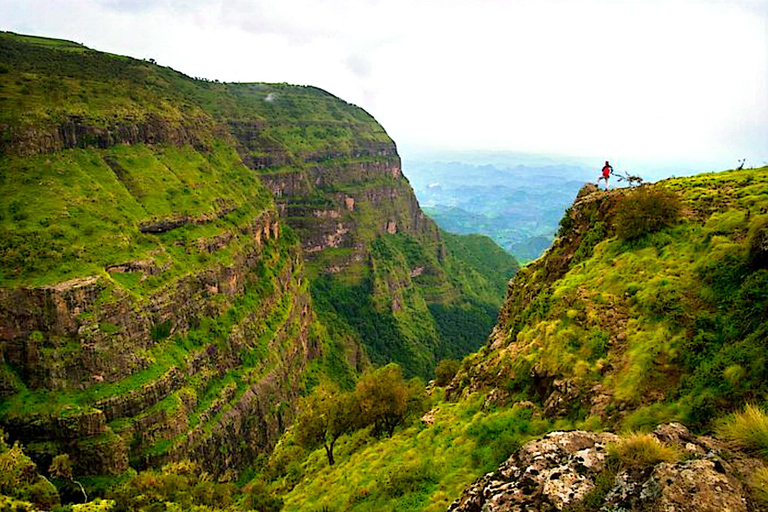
[
  {"x": 155, "y": 303},
  {"x": 152, "y": 307},
  {"x": 381, "y": 271}
]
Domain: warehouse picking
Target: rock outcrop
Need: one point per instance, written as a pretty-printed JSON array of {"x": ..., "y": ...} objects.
[{"x": 564, "y": 470}]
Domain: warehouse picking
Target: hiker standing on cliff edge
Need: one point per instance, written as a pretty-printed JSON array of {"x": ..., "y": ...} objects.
[{"x": 607, "y": 171}]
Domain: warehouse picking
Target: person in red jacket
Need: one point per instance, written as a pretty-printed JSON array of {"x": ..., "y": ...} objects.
[{"x": 607, "y": 171}]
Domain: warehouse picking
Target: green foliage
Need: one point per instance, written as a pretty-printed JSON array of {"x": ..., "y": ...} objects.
[
  {"x": 324, "y": 416},
  {"x": 258, "y": 497},
  {"x": 446, "y": 370},
  {"x": 409, "y": 478},
  {"x": 61, "y": 466},
  {"x": 97, "y": 505},
  {"x": 759, "y": 482},
  {"x": 353, "y": 305},
  {"x": 646, "y": 210},
  {"x": 19, "y": 478},
  {"x": 182, "y": 485},
  {"x": 386, "y": 400},
  {"x": 462, "y": 328},
  {"x": 422, "y": 467},
  {"x": 747, "y": 430},
  {"x": 758, "y": 243},
  {"x": 499, "y": 436},
  {"x": 637, "y": 450},
  {"x": 480, "y": 265}
]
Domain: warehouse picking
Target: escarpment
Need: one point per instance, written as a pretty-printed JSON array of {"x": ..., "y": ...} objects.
[
  {"x": 170, "y": 250},
  {"x": 648, "y": 307},
  {"x": 378, "y": 265},
  {"x": 151, "y": 306}
]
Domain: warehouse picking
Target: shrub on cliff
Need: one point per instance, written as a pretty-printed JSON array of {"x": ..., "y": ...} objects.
[
  {"x": 758, "y": 243},
  {"x": 19, "y": 478},
  {"x": 646, "y": 210},
  {"x": 446, "y": 371}
]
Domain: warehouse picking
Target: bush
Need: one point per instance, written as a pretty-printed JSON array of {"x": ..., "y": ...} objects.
[
  {"x": 637, "y": 450},
  {"x": 446, "y": 370},
  {"x": 259, "y": 498},
  {"x": 646, "y": 210},
  {"x": 408, "y": 478},
  {"x": 747, "y": 430}
]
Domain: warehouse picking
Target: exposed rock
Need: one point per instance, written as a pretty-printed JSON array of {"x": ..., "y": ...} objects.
[
  {"x": 77, "y": 131},
  {"x": 496, "y": 398},
  {"x": 547, "y": 474},
  {"x": 164, "y": 225},
  {"x": 557, "y": 471},
  {"x": 699, "y": 485},
  {"x": 565, "y": 394}
]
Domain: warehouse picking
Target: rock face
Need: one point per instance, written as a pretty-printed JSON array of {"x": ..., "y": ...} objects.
[
  {"x": 172, "y": 319},
  {"x": 548, "y": 474},
  {"x": 362, "y": 230},
  {"x": 562, "y": 469}
]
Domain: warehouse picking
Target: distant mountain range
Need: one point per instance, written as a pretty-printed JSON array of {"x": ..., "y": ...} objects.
[{"x": 517, "y": 204}]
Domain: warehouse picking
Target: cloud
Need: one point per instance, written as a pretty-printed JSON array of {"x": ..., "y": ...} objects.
[
  {"x": 358, "y": 65},
  {"x": 639, "y": 77}
]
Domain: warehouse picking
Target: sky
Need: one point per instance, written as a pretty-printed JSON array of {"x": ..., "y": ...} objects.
[{"x": 646, "y": 82}]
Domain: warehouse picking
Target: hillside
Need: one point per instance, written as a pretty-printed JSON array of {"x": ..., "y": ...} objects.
[
  {"x": 165, "y": 247},
  {"x": 195, "y": 278},
  {"x": 611, "y": 330},
  {"x": 640, "y": 328}
]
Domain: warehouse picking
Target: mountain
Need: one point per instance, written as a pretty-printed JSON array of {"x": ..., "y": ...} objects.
[
  {"x": 181, "y": 259},
  {"x": 517, "y": 204}
]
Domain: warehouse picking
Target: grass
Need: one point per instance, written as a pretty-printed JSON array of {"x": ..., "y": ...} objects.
[
  {"x": 79, "y": 217},
  {"x": 747, "y": 430},
  {"x": 423, "y": 467},
  {"x": 636, "y": 450},
  {"x": 759, "y": 483}
]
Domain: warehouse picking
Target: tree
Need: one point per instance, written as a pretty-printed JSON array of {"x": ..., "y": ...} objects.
[
  {"x": 387, "y": 400},
  {"x": 325, "y": 416}
]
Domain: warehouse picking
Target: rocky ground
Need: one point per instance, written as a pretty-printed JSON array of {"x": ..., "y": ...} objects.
[{"x": 579, "y": 471}]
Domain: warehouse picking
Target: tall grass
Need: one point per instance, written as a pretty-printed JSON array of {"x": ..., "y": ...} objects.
[
  {"x": 747, "y": 430},
  {"x": 637, "y": 450}
]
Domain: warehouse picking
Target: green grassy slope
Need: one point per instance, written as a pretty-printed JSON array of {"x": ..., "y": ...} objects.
[{"x": 671, "y": 325}]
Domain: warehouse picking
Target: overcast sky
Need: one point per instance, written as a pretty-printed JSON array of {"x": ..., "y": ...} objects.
[{"x": 654, "y": 80}]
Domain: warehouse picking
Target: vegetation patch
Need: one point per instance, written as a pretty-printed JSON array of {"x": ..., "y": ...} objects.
[{"x": 646, "y": 210}]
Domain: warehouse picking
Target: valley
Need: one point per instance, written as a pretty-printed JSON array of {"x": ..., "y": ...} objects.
[{"x": 226, "y": 296}]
